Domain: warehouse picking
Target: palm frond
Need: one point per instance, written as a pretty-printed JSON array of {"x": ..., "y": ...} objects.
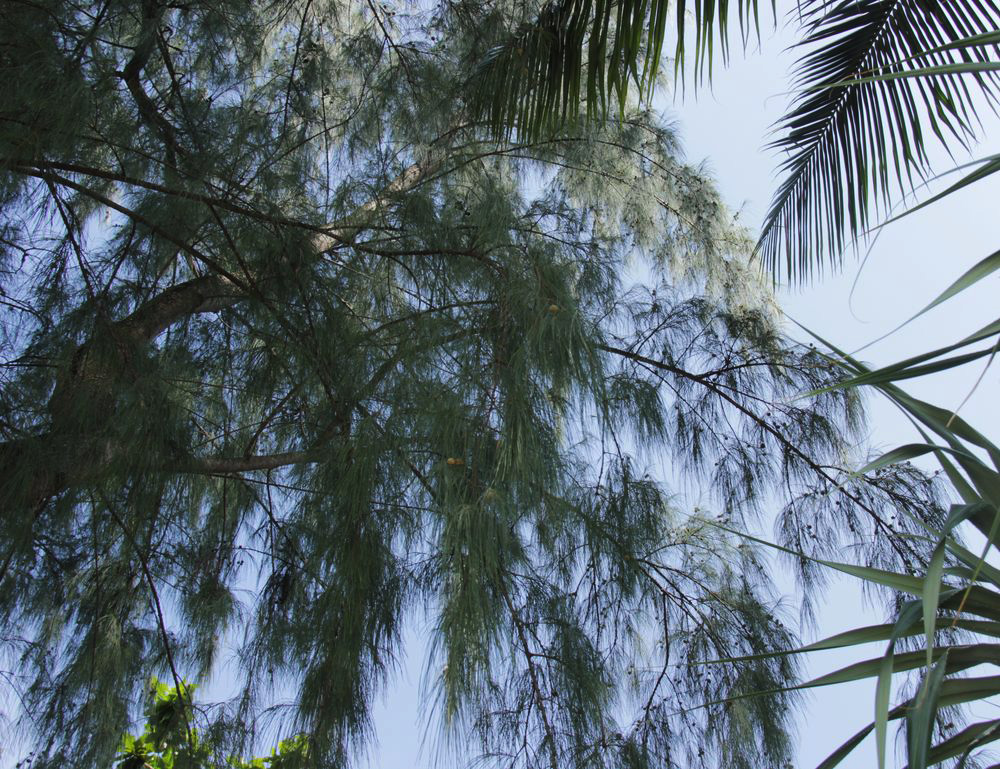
[
  {"x": 588, "y": 54},
  {"x": 955, "y": 582},
  {"x": 859, "y": 130}
]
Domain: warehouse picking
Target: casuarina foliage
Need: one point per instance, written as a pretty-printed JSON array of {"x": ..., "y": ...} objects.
[{"x": 297, "y": 356}]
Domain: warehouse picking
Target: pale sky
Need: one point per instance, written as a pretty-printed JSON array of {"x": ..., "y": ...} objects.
[
  {"x": 727, "y": 126},
  {"x": 912, "y": 261}
]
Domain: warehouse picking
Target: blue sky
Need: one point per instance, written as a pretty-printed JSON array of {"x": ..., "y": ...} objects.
[
  {"x": 912, "y": 261},
  {"x": 727, "y": 127}
]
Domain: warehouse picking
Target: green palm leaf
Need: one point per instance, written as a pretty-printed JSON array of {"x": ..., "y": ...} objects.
[
  {"x": 973, "y": 736},
  {"x": 880, "y": 77},
  {"x": 575, "y": 50},
  {"x": 858, "y": 130},
  {"x": 941, "y": 603},
  {"x": 589, "y": 53}
]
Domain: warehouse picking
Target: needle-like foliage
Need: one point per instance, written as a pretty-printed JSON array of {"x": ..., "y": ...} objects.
[
  {"x": 294, "y": 357},
  {"x": 573, "y": 52}
]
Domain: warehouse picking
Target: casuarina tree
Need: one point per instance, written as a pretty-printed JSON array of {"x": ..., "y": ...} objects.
[{"x": 297, "y": 353}]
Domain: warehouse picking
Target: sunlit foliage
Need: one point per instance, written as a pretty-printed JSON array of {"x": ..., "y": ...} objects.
[{"x": 296, "y": 356}]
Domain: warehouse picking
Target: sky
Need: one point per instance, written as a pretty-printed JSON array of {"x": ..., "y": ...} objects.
[
  {"x": 911, "y": 262},
  {"x": 726, "y": 127}
]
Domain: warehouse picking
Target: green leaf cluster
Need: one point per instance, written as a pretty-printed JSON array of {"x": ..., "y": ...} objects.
[{"x": 169, "y": 741}]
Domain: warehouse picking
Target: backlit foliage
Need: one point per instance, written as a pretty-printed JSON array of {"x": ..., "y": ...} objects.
[{"x": 294, "y": 356}]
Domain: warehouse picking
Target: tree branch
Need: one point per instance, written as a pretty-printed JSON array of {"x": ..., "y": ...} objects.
[
  {"x": 231, "y": 465},
  {"x": 33, "y": 471},
  {"x": 347, "y": 230},
  {"x": 222, "y": 289},
  {"x": 721, "y": 392},
  {"x": 152, "y": 12},
  {"x": 36, "y": 468},
  {"x": 210, "y": 293}
]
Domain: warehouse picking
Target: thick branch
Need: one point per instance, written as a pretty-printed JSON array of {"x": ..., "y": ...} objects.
[
  {"x": 37, "y": 168},
  {"x": 210, "y": 293},
  {"x": 152, "y": 12},
  {"x": 230, "y": 465},
  {"x": 71, "y": 453},
  {"x": 348, "y": 229},
  {"x": 33, "y": 472},
  {"x": 215, "y": 292}
]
